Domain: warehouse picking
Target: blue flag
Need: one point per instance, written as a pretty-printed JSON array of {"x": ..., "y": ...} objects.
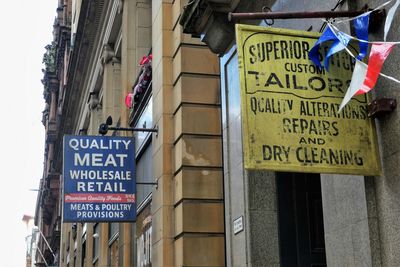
[
  {"x": 326, "y": 36},
  {"x": 338, "y": 45},
  {"x": 339, "y": 42},
  {"x": 360, "y": 25}
]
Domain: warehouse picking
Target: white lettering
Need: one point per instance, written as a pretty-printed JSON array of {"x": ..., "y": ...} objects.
[
  {"x": 81, "y": 186},
  {"x": 97, "y": 160},
  {"x": 126, "y": 143},
  {"x": 121, "y": 159},
  {"x": 74, "y": 144},
  {"x": 110, "y": 160},
  {"x": 78, "y": 161}
]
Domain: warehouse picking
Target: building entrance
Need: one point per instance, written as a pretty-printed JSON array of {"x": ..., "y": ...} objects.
[{"x": 300, "y": 218}]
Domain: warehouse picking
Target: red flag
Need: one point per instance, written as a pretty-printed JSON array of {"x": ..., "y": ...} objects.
[{"x": 377, "y": 56}]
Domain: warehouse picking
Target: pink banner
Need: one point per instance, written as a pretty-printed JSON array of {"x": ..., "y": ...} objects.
[
  {"x": 377, "y": 57},
  {"x": 99, "y": 198}
]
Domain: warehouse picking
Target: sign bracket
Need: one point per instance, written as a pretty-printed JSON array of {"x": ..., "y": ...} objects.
[
  {"x": 148, "y": 183},
  {"x": 104, "y": 127}
]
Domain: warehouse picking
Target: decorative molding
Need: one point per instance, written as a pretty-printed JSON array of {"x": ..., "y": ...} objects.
[{"x": 108, "y": 54}]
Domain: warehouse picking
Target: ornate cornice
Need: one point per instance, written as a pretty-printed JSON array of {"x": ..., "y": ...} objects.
[{"x": 209, "y": 19}]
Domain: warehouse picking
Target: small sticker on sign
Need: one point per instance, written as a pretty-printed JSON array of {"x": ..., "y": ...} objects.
[{"x": 238, "y": 225}]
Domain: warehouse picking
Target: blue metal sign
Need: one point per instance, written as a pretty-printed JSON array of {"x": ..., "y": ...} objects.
[{"x": 99, "y": 179}]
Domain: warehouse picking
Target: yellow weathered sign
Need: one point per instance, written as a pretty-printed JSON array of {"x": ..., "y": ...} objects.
[{"x": 290, "y": 118}]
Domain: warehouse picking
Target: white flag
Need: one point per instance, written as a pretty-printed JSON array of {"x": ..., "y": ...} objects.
[
  {"x": 357, "y": 80},
  {"x": 389, "y": 18}
]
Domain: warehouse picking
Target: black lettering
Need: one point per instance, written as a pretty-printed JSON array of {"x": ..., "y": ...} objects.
[
  {"x": 299, "y": 68},
  {"x": 359, "y": 160},
  {"x": 335, "y": 84},
  {"x": 253, "y": 105},
  {"x": 312, "y": 141},
  {"x": 287, "y": 81},
  {"x": 268, "y": 48},
  {"x": 260, "y": 107},
  {"x": 287, "y": 64},
  {"x": 272, "y": 80},
  {"x": 253, "y": 59},
  {"x": 302, "y": 108},
  {"x": 297, "y": 49},
  {"x": 277, "y": 152},
  {"x": 313, "y": 128},
  {"x": 255, "y": 73},
  {"x": 314, "y": 155},
  {"x": 320, "y": 141},
  {"x": 284, "y": 50},
  {"x": 314, "y": 85},
  {"x": 303, "y": 125},
  {"x": 325, "y": 108},
  {"x": 276, "y": 49},
  {"x": 295, "y": 86},
  {"x": 261, "y": 52},
  {"x": 302, "y": 141},
  {"x": 286, "y": 125},
  {"x": 295, "y": 125},
  {"x": 323, "y": 156},
  {"x": 299, "y": 159},
  {"x": 306, "y": 49},
  {"x": 335, "y": 128},
  {"x": 363, "y": 112},
  {"x": 267, "y": 152}
]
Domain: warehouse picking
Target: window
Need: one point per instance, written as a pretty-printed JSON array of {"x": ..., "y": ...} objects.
[{"x": 143, "y": 230}]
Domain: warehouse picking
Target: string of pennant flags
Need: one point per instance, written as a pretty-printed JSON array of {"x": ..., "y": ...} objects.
[{"x": 364, "y": 75}]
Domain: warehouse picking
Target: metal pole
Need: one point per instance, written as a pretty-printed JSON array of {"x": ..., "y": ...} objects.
[
  {"x": 293, "y": 15},
  {"x": 148, "y": 183},
  {"x": 41, "y": 254},
  {"x": 133, "y": 129},
  {"x": 47, "y": 243}
]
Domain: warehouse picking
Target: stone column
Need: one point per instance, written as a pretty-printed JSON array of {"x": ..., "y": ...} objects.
[
  {"x": 103, "y": 245},
  {"x": 78, "y": 261},
  {"x": 197, "y": 150},
  {"x": 111, "y": 104},
  {"x": 89, "y": 245},
  {"x": 161, "y": 207},
  {"x": 347, "y": 239},
  {"x": 128, "y": 75},
  {"x": 54, "y": 84}
]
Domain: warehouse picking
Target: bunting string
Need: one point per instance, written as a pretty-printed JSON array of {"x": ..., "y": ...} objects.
[
  {"x": 364, "y": 76},
  {"x": 353, "y": 56},
  {"x": 336, "y": 30},
  {"x": 366, "y": 13}
]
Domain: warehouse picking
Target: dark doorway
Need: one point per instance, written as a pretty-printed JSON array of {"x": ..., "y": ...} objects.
[{"x": 301, "y": 227}]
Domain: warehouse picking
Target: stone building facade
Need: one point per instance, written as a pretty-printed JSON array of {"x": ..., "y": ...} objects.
[
  {"x": 97, "y": 65},
  {"x": 196, "y": 157}
]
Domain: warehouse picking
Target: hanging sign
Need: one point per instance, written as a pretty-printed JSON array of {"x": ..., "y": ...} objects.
[
  {"x": 99, "y": 179},
  {"x": 290, "y": 117}
]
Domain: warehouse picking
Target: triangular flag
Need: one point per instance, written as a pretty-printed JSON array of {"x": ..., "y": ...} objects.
[
  {"x": 361, "y": 27},
  {"x": 359, "y": 73},
  {"x": 389, "y": 18},
  {"x": 313, "y": 54},
  {"x": 338, "y": 45},
  {"x": 378, "y": 55}
]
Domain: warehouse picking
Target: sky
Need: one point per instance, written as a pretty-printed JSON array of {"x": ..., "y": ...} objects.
[{"x": 26, "y": 28}]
